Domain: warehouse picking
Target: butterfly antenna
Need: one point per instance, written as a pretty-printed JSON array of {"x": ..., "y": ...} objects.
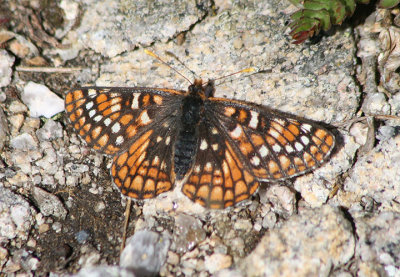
[
  {"x": 148, "y": 52},
  {"x": 184, "y": 65},
  {"x": 246, "y": 70}
]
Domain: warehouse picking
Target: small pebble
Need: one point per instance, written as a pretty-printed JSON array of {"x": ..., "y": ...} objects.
[
  {"x": 188, "y": 233},
  {"x": 57, "y": 227},
  {"x": 48, "y": 203},
  {"x": 173, "y": 258},
  {"x": 43, "y": 228},
  {"x": 216, "y": 262},
  {"x": 82, "y": 236},
  {"x": 41, "y": 101},
  {"x": 6, "y": 62},
  {"x": 145, "y": 253},
  {"x": 50, "y": 131},
  {"x": 99, "y": 207},
  {"x": 17, "y": 107},
  {"x": 24, "y": 142}
]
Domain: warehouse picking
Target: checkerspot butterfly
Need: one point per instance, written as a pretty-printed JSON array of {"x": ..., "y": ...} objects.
[{"x": 220, "y": 149}]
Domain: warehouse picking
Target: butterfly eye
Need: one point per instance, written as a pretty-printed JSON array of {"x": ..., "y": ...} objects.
[{"x": 209, "y": 89}]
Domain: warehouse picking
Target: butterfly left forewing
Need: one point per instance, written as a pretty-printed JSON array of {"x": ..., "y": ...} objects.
[{"x": 109, "y": 118}]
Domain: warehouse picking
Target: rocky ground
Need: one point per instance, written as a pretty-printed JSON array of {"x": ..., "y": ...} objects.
[{"x": 60, "y": 214}]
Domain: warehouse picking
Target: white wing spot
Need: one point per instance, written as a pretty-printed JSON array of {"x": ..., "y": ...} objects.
[
  {"x": 305, "y": 140},
  {"x": 167, "y": 140},
  {"x": 92, "y": 113},
  {"x": 107, "y": 121},
  {"x": 116, "y": 127},
  {"x": 165, "y": 125},
  {"x": 276, "y": 148},
  {"x": 92, "y": 92},
  {"x": 254, "y": 120},
  {"x": 215, "y": 146},
  {"x": 237, "y": 132},
  {"x": 214, "y": 131},
  {"x": 208, "y": 166},
  {"x": 274, "y": 133},
  {"x": 89, "y": 105},
  {"x": 263, "y": 151},
  {"x": 255, "y": 161},
  {"x": 119, "y": 140},
  {"x": 115, "y": 100},
  {"x": 203, "y": 144},
  {"x": 135, "y": 101},
  {"x": 289, "y": 148},
  {"x": 306, "y": 127},
  {"x": 163, "y": 165},
  {"x": 298, "y": 146},
  {"x": 144, "y": 118},
  {"x": 280, "y": 121},
  {"x": 197, "y": 168},
  {"x": 116, "y": 108},
  {"x": 159, "y": 139},
  {"x": 97, "y": 118}
]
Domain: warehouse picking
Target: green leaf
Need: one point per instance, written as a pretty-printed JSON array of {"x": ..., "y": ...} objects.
[
  {"x": 387, "y": 4},
  {"x": 363, "y": 1},
  {"x": 321, "y": 15},
  {"x": 350, "y": 6}
]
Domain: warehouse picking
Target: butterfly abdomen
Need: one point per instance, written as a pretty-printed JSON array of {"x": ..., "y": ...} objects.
[{"x": 186, "y": 143}]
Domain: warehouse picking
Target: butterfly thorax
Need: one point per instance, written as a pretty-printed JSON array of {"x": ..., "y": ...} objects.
[
  {"x": 204, "y": 91},
  {"x": 186, "y": 143}
]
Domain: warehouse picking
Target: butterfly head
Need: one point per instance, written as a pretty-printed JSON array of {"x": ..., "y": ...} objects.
[{"x": 203, "y": 90}]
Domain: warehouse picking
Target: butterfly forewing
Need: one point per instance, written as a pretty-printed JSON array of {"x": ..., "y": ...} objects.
[
  {"x": 136, "y": 125},
  {"x": 271, "y": 144}
]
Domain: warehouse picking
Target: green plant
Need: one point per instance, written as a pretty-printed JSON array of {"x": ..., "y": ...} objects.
[{"x": 316, "y": 15}]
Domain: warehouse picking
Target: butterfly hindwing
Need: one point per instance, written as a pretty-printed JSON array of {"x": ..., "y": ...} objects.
[
  {"x": 145, "y": 169},
  {"x": 218, "y": 178}
]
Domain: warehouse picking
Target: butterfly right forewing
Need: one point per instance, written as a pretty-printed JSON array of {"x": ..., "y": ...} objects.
[{"x": 273, "y": 145}]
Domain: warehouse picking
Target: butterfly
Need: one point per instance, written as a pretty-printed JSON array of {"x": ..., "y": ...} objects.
[{"x": 220, "y": 149}]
